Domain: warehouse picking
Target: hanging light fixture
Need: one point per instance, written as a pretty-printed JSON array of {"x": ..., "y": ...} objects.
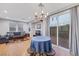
[{"x": 40, "y": 16}]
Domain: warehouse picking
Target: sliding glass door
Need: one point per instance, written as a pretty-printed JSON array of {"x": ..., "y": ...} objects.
[
  {"x": 63, "y": 30},
  {"x": 53, "y": 30},
  {"x": 59, "y": 29},
  {"x": 63, "y": 34},
  {"x": 53, "y": 34}
]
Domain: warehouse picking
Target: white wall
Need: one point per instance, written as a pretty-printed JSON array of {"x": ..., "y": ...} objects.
[
  {"x": 44, "y": 27},
  {"x": 4, "y": 27},
  {"x": 26, "y": 27}
]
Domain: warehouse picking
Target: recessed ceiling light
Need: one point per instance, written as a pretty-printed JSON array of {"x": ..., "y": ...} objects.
[
  {"x": 35, "y": 13},
  {"x": 5, "y": 11},
  {"x": 29, "y": 17},
  {"x": 47, "y": 14}
]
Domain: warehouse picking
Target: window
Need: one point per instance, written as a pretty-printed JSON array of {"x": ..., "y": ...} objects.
[
  {"x": 59, "y": 29},
  {"x": 12, "y": 27},
  {"x": 20, "y": 27},
  {"x": 63, "y": 30},
  {"x": 15, "y": 26}
]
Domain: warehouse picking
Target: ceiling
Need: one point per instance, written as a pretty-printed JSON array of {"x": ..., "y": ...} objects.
[{"x": 25, "y": 11}]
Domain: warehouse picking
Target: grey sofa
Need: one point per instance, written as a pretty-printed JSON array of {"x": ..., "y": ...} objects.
[
  {"x": 4, "y": 39},
  {"x": 15, "y": 35}
]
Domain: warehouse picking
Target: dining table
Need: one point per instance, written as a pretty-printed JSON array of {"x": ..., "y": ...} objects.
[{"x": 41, "y": 44}]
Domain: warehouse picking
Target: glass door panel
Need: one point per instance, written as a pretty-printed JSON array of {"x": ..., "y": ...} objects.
[
  {"x": 53, "y": 30},
  {"x": 53, "y": 34},
  {"x": 63, "y": 39},
  {"x": 63, "y": 30}
]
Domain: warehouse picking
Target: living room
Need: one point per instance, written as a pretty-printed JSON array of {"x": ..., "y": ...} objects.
[{"x": 39, "y": 29}]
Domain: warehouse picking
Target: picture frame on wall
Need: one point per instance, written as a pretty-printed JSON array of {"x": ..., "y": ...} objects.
[{"x": 38, "y": 26}]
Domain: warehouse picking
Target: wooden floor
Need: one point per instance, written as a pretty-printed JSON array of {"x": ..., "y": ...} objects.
[{"x": 19, "y": 48}]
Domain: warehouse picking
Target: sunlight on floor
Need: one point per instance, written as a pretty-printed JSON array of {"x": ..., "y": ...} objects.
[{"x": 18, "y": 48}]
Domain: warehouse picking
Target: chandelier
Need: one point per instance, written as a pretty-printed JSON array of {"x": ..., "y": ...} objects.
[{"x": 41, "y": 16}]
